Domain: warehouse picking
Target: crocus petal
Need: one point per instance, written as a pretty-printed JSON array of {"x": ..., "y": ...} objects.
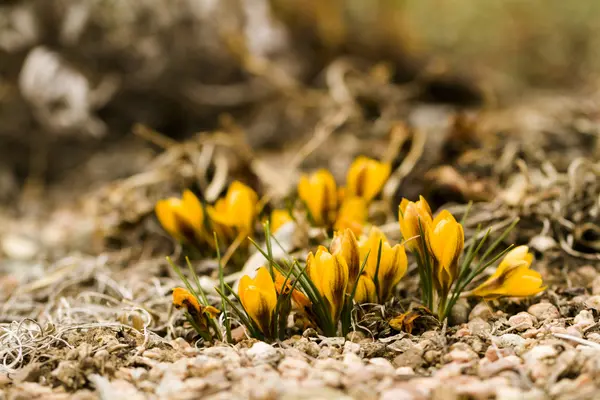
[
  {"x": 365, "y": 290},
  {"x": 512, "y": 278},
  {"x": 245, "y": 283},
  {"x": 345, "y": 244},
  {"x": 279, "y": 218},
  {"x": 259, "y": 308},
  {"x": 516, "y": 256},
  {"x": 193, "y": 209},
  {"x": 445, "y": 240},
  {"x": 370, "y": 246},
  {"x": 335, "y": 281},
  {"x": 412, "y": 217},
  {"x": 523, "y": 282},
  {"x": 236, "y": 210},
  {"x": 259, "y": 298},
  {"x": 391, "y": 270},
  {"x": 164, "y": 213},
  {"x": 352, "y": 215},
  {"x": 366, "y": 177},
  {"x": 319, "y": 193},
  {"x": 283, "y": 286},
  {"x": 183, "y": 298},
  {"x": 329, "y": 274}
]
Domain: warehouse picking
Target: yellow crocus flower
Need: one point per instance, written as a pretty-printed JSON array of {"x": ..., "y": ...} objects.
[
  {"x": 392, "y": 266},
  {"x": 412, "y": 216},
  {"x": 283, "y": 287},
  {"x": 182, "y": 298},
  {"x": 329, "y": 274},
  {"x": 366, "y": 177},
  {"x": 352, "y": 215},
  {"x": 183, "y": 218},
  {"x": 446, "y": 240},
  {"x": 513, "y": 277},
  {"x": 279, "y": 217},
  {"x": 366, "y": 292},
  {"x": 319, "y": 192},
  {"x": 237, "y": 210},
  {"x": 259, "y": 298},
  {"x": 345, "y": 244}
]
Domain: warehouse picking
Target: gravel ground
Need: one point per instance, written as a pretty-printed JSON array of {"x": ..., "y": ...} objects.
[{"x": 85, "y": 308}]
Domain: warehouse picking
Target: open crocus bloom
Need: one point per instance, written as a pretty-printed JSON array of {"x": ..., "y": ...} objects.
[
  {"x": 183, "y": 218},
  {"x": 237, "y": 210},
  {"x": 513, "y": 277}
]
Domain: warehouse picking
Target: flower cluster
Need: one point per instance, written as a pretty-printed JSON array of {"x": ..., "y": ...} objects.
[
  {"x": 189, "y": 221},
  {"x": 341, "y": 208},
  {"x": 438, "y": 245},
  {"x": 350, "y": 271},
  {"x": 354, "y": 269}
]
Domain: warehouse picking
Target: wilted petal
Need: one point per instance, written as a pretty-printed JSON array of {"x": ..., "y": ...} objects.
[
  {"x": 283, "y": 287},
  {"x": 182, "y": 298}
]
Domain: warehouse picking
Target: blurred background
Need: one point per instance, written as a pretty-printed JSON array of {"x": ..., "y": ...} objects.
[{"x": 76, "y": 76}]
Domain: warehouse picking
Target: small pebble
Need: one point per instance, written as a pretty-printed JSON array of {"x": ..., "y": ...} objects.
[
  {"x": 404, "y": 371},
  {"x": 594, "y": 337},
  {"x": 502, "y": 364},
  {"x": 351, "y": 347},
  {"x": 509, "y": 340},
  {"x": 521, "y": 321},
  {"x": 355, "y": 336},
  {"x": 479, "y": 327},
  {"x": 373, "y": 349},
  {"x": 18, "y": 247},
  {"x": 593, "y": 302},
  {"x": 412, "y": 358},
  {"x": 583, "y": 320},
  {"x": 460, "y": 313},
  {"x": 481, "y": 310},
  {"x": 262, "y": 352},
  {"x": 574, "y": 331},
  {"x": 544, "y": 311}
]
